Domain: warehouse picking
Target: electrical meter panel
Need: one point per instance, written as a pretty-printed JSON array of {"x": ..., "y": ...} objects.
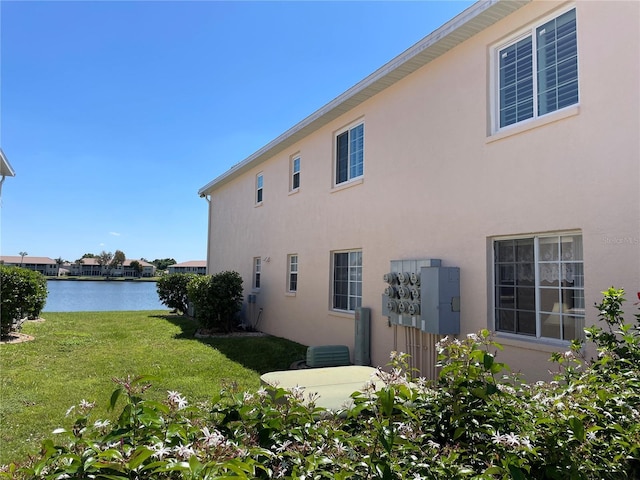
[{"x": 423, "y": 294}]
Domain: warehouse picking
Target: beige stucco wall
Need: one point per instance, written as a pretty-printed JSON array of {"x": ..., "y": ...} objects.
[{"x": 437, "y": 184}]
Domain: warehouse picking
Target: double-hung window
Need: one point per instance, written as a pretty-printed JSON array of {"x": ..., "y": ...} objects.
[
  {"x": 538, "y": 71},
  {"x": 295, "y": 173},
  {"x": 347, "y": 280},
  {"x": 539, "y": 286},
  {"x": 259, "y": 188},
  {"x": 257, "y": 270},
  {"x": 350, "y": 154},
  {"x": 292, "y": 274}
]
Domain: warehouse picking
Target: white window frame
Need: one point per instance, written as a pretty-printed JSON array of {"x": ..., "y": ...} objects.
[
  {"x": 257, "y": 273},
  {"x": 259, "y": 188},
  {"x": 355, "y": 153},
  {"x": 353, "y": 293},
  {"x": 529, "y": 31},
  {"x": 295, "y": 172},
  {"x": 556, "y": 312},
  {"x": 292, "y": 273}
]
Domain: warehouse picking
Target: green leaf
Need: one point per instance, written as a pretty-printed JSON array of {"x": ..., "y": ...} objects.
[
  {"x": 114, "y": 398},
  {"x": 516, "y": 473},
  {"x": 458, "y": 432},
  {"x": 577, "y": 428},
  {"x": 139, "y": 456},
  {"x": 487, "y": 361}
]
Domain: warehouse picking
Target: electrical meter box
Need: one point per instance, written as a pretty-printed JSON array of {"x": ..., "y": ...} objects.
[
  {"x": 440, "y": 294},
  {"x": 423, "y": 294}
]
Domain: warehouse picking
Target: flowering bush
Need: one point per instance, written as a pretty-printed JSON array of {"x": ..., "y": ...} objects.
[{"x": 479, "y": 421}]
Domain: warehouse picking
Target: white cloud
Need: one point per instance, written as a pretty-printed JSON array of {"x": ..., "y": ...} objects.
[{"x": 115, "y": 234}]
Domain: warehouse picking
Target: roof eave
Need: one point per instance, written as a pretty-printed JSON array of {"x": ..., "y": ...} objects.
[
  {"x": 468, "y": 23},
  {"x": 6, "y": 170}
]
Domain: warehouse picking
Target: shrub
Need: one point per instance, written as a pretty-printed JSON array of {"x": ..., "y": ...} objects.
[
  {"x": 216, "y": 299},
  {"x": 478, "y": 422},
  {"x": 172, "y": 290},
  {"x": 23, "y": 295}
]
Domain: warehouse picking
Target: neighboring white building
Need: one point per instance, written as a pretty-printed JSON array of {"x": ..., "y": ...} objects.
[
  {"x": 194, "y": 266},
  {"x": 505, "y": 144}
]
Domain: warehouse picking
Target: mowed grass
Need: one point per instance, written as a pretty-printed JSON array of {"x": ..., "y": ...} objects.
[{"x": 76, "y": 355}]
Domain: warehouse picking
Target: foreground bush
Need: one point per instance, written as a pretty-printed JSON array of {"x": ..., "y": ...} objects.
[
  {"x": 478, "y": 422},
  {"x": 172, "y": 290},
  {"x": 216, "y": 299},
  {"x": 23, "y": 294}
]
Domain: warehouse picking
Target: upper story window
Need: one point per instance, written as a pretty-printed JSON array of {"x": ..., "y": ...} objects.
[
  {"x": 292, "y": 274},
  {"x": 259, "y": 188},
  {"x": 538, "y": 71},
  {"x": 347, "y": 280},
  {"x": 350, "y": 153},
  {"x": 295, "y": 173},
  {"x": 257, "y": 270},
  {"x": 539, "y": 286}
]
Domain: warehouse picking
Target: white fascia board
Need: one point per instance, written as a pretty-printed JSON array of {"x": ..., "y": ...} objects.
[
  {"x": 474, "y": 19},
  {"x": 6, "y": 170}
]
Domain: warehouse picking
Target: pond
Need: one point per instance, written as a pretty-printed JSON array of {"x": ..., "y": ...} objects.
[{"x": 101, "y": 296}]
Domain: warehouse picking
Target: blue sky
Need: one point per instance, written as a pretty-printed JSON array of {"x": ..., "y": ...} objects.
[{"x": 113, "y": 114}]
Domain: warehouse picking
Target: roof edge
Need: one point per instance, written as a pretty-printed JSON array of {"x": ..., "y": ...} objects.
[
  {"x": 377, "y": 81},
  {"x": 6, "y": 170}
]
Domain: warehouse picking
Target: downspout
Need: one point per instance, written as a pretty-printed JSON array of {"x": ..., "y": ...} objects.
[{"x": 208, "y": 199}]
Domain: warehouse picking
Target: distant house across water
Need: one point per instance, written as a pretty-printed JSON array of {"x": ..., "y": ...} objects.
[
  {"x": 88, "y": 267},
  {"x": 195, "y": 266},
  {"x": 45, "y": 265}
]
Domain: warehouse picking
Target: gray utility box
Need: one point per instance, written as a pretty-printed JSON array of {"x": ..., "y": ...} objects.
[
  {"x": 440, "y": 294},
  {"x": 362, "y": 349},
  {"x": 423, "y": 294}
]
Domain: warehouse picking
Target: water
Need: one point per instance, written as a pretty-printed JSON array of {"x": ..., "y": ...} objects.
[{"x": 102, "y": 296}]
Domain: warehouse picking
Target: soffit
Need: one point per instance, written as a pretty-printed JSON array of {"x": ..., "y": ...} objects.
[{"x": 474, "y": 19}]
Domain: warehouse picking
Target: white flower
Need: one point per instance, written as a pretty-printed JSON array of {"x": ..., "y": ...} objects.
[
  {"x": 247, "y": 397},
  {"x": 86, "y": 405},
  {"x": 71, "y": 409},
  {"x": 262, "y": 392},
  {"x": 160, "y": 451},
  {"x": 176, "y": 399},
  {"x": 101, "y": 423},
  {"x": 512, "y": 439},
  {"x": 184, "y": 451},
  {"x": 214, "y": 438},
  {"x": 285, "y": 445},
  {"x": 340, "y": 448},
  {"x": 496, "y": 438}
]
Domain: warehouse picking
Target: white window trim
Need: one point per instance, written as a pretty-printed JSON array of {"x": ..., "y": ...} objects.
[
  {"x": 336, "y": 134},
  {"x": 290, "y": 272},
  {"x": 259, "y": 188},
  {"x": 494, "y": 77},
  {"x": 257, "y": 272},
  {"x": 292, "y": 160},
  {"x": 516, "y": 339},
  {"x": 332, "y": 279}
]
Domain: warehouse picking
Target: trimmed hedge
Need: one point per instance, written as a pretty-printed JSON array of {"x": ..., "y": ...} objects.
[{"x": 23, "y": 294}]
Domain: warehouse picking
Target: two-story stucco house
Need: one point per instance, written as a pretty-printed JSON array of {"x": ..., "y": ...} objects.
[{"x": 504, "y": 144}]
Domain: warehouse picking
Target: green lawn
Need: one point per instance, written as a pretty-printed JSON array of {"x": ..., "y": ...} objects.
[{"x": 75, "y": 355}]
